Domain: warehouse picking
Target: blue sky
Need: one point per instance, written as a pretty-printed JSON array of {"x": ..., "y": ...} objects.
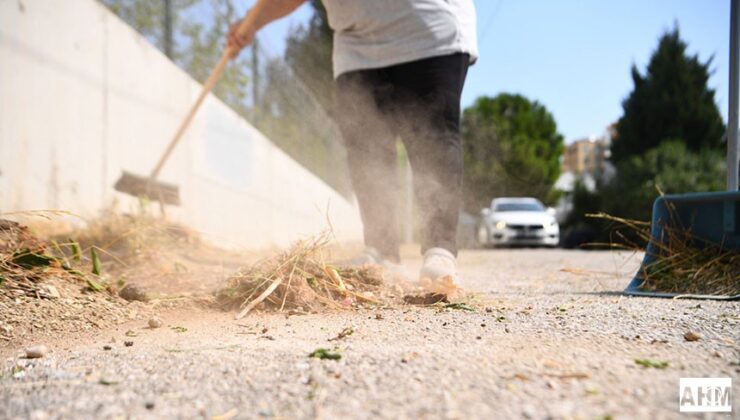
[{"x": 574, "y": 56}]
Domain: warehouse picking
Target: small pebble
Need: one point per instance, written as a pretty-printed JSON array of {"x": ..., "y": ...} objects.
[
  {"x": 128, "y": 343},
  {"x": 155, "y": 322},
  {"x": 36, "y": 352},
  {"x": 691, "y": 336},
  {"x": 51, "y": 292},
  {"x": 131, "y": 293},
  {"x": 149, "y": 405},
  {"x": 107, "y": 347}
]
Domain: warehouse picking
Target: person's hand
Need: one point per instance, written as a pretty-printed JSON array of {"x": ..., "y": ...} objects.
[{"x": 237, "y": 41}]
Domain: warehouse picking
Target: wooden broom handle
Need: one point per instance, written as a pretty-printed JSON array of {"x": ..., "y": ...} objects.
[{"x": 248, "y": 21}]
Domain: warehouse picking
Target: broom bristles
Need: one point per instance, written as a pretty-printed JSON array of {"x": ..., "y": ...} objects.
[{"x": 684, "y": 263}]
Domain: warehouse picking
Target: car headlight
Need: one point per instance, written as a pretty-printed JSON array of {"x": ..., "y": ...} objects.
[
  {"x": 500, "y": 225},
  {"x": 553, "y": 223}
]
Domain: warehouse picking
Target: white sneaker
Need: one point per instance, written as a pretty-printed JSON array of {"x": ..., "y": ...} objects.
[
  {"x": 438, "y": 263},
  {"x": 438, "y": 274}
]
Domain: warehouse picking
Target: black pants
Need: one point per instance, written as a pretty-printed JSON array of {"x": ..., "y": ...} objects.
[{"x": 420, "y": 103}]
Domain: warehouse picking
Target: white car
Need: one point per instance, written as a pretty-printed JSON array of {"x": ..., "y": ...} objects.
[{"x": 518, "y": 221}]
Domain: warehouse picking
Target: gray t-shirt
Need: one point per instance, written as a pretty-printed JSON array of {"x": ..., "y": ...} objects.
[{"x": 379, "y": 33}]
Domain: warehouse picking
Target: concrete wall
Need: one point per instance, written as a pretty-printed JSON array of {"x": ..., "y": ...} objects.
[{"x": 83, "y": 96}]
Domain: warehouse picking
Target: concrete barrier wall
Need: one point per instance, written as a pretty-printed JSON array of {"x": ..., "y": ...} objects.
[{"x": 83, "y": 96}]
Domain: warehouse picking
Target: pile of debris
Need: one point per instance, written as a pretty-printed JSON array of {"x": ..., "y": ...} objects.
[
  {"x": 300, "y": 279},
  {"x": 50, "y": 286},
  {"x": 25, "y": 264}
]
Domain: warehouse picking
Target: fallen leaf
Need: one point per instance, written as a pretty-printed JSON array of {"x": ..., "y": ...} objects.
[
  {"x": 95, "y": 261},
  {"x": 325, "y": 354},
  {"x": 460, "y": 305},
  {"x": 76, "y": 251},
  {"x": 109, "y": 380},
  {"x": 94, "y": 286},
  {"x": 334, "y": 275},
  {"x": 27, "y": 259},
  {"x": 649, "y": 363}
]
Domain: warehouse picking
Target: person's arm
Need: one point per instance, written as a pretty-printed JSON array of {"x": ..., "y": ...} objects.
[{"x": 267, "y": 12}]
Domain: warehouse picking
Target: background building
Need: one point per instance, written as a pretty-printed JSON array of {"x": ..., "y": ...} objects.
[{"x": 589, "y": 155}]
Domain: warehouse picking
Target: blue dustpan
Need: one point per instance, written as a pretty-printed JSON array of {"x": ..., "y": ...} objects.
[{"x": 710, "y": 217}]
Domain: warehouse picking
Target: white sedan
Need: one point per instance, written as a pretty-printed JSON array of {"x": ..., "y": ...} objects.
[{"x": 518, "y": 221}]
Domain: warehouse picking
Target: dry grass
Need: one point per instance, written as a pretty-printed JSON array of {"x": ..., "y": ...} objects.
[
  {"x": 27, "y": 261},
  {"x": 301, "y": 279},
  {"x": 684, "y": 264},
  {"x": 163, "y": 258},
  {"x": 100, "y": 254},
  {"x": 130, "y": 235}
]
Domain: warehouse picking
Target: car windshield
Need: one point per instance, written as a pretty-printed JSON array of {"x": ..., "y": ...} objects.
[{"x": 519, "y": 207}]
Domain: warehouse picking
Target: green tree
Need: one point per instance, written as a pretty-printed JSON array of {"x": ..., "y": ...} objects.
[
  {"x": 206, "y": 44},
  {"x": 511, "y": 148},
  {"x": 670, "y": 101},
  {"x": 578, "y": 229},
  {"x": 308, "y": 52},
  {"x": 197, "y": 45},
  {"x": 667, "y": 141},
  {"x": 148, "y": 18},
  {"x": 670, "y": 168},
  {"x": 297, "y": 104}
]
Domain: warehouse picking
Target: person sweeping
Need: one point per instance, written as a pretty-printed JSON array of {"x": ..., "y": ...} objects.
[{"x": 399, "y": 68}]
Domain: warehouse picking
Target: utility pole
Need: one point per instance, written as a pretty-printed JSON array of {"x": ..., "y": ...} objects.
[
  {"x": 168, "y": 28},
  {"x": 733, "y": 118}
]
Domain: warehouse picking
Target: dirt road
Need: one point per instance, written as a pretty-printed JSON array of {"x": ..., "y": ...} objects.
[{"x": 549, "y": 338}]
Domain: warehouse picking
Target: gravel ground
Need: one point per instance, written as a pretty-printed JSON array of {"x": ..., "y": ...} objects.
[{"x": 550, "y": 338}]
